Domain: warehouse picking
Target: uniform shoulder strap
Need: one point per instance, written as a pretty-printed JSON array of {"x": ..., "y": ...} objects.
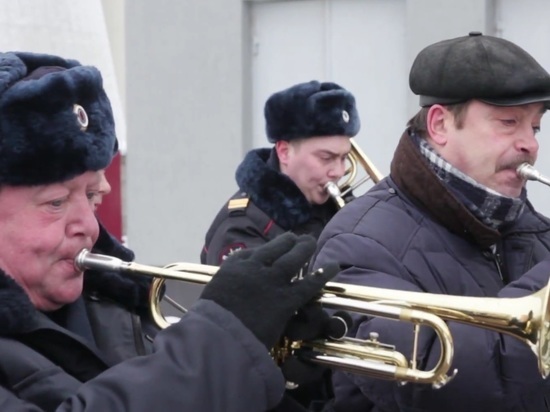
[{"x": 238, "y": 204}]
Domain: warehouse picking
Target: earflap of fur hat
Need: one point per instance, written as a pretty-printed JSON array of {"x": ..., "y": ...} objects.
[
  {"x": 311, "y": 109},
  {"x": 54, "y": 127}
]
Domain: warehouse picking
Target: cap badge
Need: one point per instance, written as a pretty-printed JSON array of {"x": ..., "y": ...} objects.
[
  {"x": 345, "y": 116},
  {"x": 81, "y": 116}
]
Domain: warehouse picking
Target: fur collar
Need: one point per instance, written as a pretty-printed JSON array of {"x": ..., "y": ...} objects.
[
  {"x": 272, "y": 191},
  {"x": 17, "y": 312}
]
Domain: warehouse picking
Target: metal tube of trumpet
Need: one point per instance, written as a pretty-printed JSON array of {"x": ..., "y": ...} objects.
[
  {"x": 188, "y": 272},
  {"x": 526, "y": 318},
  {"x": 368, "y": 357},
  {"x": 369, "y": 166},
  {"x": 528, "y": 172}
]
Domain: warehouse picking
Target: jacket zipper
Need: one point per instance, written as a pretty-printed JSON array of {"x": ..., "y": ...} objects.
[
  {"x": 496, "y": 256},
  {"x": 138, "y": 335}
]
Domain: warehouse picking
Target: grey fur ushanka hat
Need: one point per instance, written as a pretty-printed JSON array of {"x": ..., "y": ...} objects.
[
  {"x": 56, "y": 121},
  {"x": 311, "y": 109}
]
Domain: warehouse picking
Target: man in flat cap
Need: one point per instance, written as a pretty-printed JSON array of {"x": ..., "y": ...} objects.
[
  {"x": 76, "y": 340},
  {"x": 283, "y": 188},
  {"x": 453, "y": 218}
]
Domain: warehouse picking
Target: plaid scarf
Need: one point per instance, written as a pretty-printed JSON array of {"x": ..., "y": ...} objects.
[{"x": 490, "y": 207}]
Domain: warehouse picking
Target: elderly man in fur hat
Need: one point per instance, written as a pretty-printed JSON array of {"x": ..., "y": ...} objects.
[
  {"x": 283, "y": 188},
  {"x": 74, "y": 341}
]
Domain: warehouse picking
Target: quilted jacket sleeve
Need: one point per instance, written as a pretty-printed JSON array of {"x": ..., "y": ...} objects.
[{"x": 207, "y": 362}]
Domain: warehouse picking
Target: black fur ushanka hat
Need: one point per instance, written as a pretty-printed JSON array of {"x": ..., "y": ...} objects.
[
  {"x": 311, "y": 109},
  {"x": 56, "y": 121}
]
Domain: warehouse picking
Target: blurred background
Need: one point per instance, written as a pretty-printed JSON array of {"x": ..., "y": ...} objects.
[{"x": 188, "y": 80}]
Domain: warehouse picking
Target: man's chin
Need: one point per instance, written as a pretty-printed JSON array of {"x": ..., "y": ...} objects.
[
  {"x": 320, "y": 199},
  {"x": 511, "y": 191}
]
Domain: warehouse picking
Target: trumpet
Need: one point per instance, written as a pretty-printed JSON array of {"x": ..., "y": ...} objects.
[
  {"x": 526, "y": 318},
  {"x": 528, "y": 172},
  {"x": 369, "y": 357},
  {"x": 356, "y": 157}
]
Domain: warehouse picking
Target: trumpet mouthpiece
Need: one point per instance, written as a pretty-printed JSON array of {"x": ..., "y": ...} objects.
[
  {"x": 332, "y": 189},
  {"x": 528, "y": 172},
  {"x": 334, "y": 192},
  {"x": 86, "y": 260}
]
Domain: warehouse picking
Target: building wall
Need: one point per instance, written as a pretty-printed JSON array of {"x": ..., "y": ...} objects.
[{"x": 184, "y": 99}]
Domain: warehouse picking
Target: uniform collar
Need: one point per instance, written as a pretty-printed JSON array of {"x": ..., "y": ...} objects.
[{"x": 272, "y": 191}]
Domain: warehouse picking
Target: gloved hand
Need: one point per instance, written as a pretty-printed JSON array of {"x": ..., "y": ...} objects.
[
  {"x": 256, "y": 284},
  {"x": 312, "y": 322}
]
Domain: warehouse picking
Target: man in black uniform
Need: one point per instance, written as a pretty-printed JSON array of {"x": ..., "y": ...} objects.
[{"x": 283, "y": 188}]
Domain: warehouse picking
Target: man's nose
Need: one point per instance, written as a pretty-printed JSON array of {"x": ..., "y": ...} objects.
[
  {"x": 82, "y": 220},
  {"x": 527, "y": 143},
  {"x": 337, "y": 170}
]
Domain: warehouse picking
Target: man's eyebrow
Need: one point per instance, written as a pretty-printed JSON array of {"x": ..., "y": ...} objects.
[{"x": 330, "y": 152}]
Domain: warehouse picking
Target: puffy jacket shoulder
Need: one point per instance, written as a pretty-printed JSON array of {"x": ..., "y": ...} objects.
[
  {"x": 382, "y": 232},
  {"x": 363, "y": 218}
]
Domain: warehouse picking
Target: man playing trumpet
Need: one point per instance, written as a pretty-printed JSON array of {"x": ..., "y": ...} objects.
[
  {"x": 74, "y": 341},
  {"x": 453, "y": 218},
  {"x": 283, "y": 188}
]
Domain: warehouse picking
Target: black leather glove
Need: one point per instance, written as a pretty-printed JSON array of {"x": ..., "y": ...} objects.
[{"x": 256, "y": 284}]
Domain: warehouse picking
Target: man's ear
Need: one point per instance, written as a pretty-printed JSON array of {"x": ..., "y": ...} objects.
[
  {"x": 282, "y": 147},
  {"x": 438, "y": 123}
]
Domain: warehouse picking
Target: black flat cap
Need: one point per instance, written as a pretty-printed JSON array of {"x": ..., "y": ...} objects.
[{"x": 480, "y": 67}]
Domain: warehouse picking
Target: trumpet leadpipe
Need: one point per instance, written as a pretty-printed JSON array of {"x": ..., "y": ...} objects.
[{"x": 187, "y": 272}]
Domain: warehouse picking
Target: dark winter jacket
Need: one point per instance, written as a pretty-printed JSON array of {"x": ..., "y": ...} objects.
[
  {"x": 267, "y": 204},
  {"x": 46, "y": 359},
  {"x": 410, "y": 233}
]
